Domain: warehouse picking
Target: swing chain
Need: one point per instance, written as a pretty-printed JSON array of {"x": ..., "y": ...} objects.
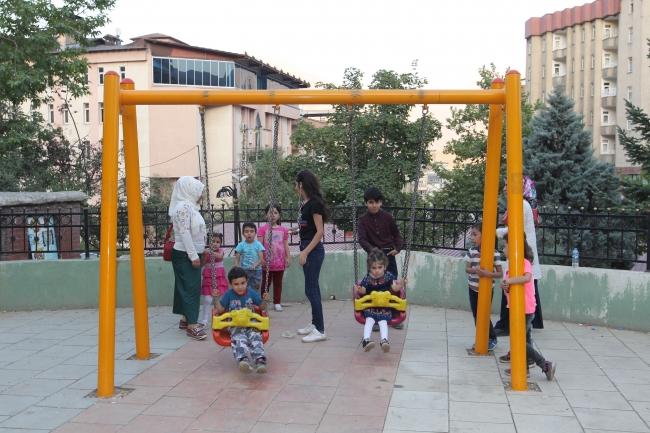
[
  {"x": 414, "y": 199},
  {"x": 274, "y": 169},
  {"x": 213, "y": 268},
  {"x": 353, "y": 194}
]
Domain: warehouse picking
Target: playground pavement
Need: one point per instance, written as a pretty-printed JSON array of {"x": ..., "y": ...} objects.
[{"x": 427, "y": 383}]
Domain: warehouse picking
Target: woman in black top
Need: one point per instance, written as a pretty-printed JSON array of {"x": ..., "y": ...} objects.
[{"x": 312, "y": 216}]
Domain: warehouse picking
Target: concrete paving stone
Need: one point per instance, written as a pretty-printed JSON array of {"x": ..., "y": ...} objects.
[
  {"x": 560, "y": 344},
  {"x": 83, "y": 358},
  {"x": 225, "y": 420},
  {"x": 468, "y": 377},
  {"x": 14, "y": 377},
  {"x": 552, "y": 335},
  {"x": 316, "y": 378},
  {"x": 427, "y": 335},
  {"x": 416, "y": 420},
  {"x": 36, "y": 344},
  {"x": 420, "y": 400},
  {"x": 642, "y": 408},
  {"x": 177, "y": 364},
  {"x": 37, "y": 417},
  {"x": 485, "y": 412},
  {"x": 190, "y": 407},
  {"x": 610, "y": 350},
  {"x": 422, "y": 368},
  {"x": 75, "y": 372},
  {"x": 539, "y": 404},
  {"x": 90, "y": 382},
  {"x": 480, "y": 427},
  {"x": 421, "y": 383},
  {"x": 11, "y": 405},
  {"x": 639, "y": 377},
  {"x": 423, "y": 356},
  {"x": 581, "y": 367},
  {"x": 478, "y": 393},
  {"x": 461, "y": 351},
  {"x": 80, "y": 340},
  {"x": 365, "y": 388},
  {"x": 59, "y": 351},
  {"x": 14, "y": 337},
  {"x": 266, "y": 382},
  {"x": 341, "y": 423},
  {"x": 76, "y": 427},
  {"x": 429, "y": 326},
  {"x": 621, "y": 363},
  {"x": 68, "y": 398},
  {"x": 21, "y": 430},
  {"x": 546, "y": 424},
  {"x": 158, "y": 424},
  {"x": 133, "y": 367},
  {"x": 355, "y": 405},
  {"x": 298, "y": 412},
  {"x": 108, "y": 413},
  {"x": 634, "y": 392},
  {"x": 428, "y": 345},
  {"x": 598, "y": 340},
  {"x": 38, "y": 387},
  {"x": 312, "y": 394},
  {"x": 598, "y": 400},
  {"x": 35, "y": 362},
  {"x": 486, "y": 363},
  {"x": 269, "y": 427},
  {"x": 584, "y": 382},
  {"x": 610, "y": 420},
  {"x": 566, "y": 355}
]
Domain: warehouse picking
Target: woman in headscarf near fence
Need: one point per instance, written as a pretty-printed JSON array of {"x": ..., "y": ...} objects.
[
  {"x": 189, "y": 235},
  {"x": 502, "y": 327}
]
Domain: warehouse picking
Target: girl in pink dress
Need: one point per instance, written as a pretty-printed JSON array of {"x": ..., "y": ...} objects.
[
  {"x": 280, "y": 258},
  {"x": 222, "y": 282}
]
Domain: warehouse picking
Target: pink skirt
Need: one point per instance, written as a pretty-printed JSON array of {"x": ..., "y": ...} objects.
[{"x": 222, "y": 282}]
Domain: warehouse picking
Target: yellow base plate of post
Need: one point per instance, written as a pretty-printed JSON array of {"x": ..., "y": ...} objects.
[
  {"x": 381, "y": 300},
  {"x": 242, "y": 319}
]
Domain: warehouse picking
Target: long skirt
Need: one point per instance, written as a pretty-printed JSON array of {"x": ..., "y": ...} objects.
[{"x": 187, "y": 287}]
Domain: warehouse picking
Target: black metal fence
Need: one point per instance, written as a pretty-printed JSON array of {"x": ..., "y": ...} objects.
[{"x": 604, "y": 239}]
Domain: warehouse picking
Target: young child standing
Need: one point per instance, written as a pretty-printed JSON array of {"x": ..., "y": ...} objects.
[
  {"x": 378, "y": 279},
  {"x": 238, "y": 297},
  {"x": 206, "y": 285},
  {"x": 280, "y": 257},
  {"x": 249, "y": 253},
  {"x": 548, "y": 367},
  {"x": 473, "y": 268}
]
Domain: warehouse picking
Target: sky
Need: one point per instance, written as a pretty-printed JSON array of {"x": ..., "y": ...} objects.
[{"x": 317, "y": 40}]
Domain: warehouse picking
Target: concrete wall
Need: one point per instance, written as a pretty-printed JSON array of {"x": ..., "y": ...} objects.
[{"x": 586, "y": 295}]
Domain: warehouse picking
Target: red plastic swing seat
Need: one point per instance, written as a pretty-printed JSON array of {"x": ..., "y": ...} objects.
[
  {"x": 222, "y": 336},
  {"x": 396, "y": 320}
]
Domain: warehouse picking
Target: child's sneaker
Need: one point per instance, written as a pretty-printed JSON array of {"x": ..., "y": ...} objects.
[
  {"x": 385, "y": 346},
  {"x": 492, "y": 343},
  {"x": 245, "y": 366},
  {"x": 278, "y": 307},
  {"x": 368, "y": 344},
  {"x": 549, "y": 369},
  {"x": 375, "y": 328},
  {"x": 306, "y": 330},
  {"x": 506, "y": 359},
  {"x": 261, "y": 365},
  {"x": 508, "y": 372}
]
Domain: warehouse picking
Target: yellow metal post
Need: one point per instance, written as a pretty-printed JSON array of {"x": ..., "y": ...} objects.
[
  {"x": 136, "y": 233},
  {"x": 518, "y": 362},
  {"x": 490, "y": 200},
  {"x": 108, "y": 237}
]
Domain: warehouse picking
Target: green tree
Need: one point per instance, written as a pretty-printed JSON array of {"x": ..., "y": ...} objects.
[
  {"x": 33, "y": 67},
  {"x": 386, "y": 142},
  {"x": 257, "y": 188},
  {"x": 637, "y": 148},
  {"x": 463, "y": 184}
]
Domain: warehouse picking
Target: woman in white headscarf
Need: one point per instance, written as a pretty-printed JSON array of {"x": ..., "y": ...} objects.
[{"x": 189, "y": 235}]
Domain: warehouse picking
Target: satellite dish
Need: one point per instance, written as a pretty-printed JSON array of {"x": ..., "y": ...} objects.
[{"x": 118, "y": 32}]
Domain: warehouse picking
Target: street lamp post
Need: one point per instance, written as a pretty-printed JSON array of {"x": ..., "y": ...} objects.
[{"x": 231, "y": 191}]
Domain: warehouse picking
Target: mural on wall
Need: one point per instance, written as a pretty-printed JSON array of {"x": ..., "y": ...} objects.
[{"x": 42, "y": 240}]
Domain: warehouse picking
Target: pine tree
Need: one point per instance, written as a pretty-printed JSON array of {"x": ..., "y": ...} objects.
[
  {"x": 637, "y": 147},
  {"x": 558, "y": 156}
]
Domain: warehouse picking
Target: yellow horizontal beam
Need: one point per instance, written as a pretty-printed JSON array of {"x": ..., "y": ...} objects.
[{"x": 279, "y": 97}]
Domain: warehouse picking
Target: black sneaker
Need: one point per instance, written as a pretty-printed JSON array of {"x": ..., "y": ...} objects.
[
  {"x": 261, "y": 365},
  {"x": 368, "y": 344},
  {"x": 245, "y": 366},
  {"x": 501, "y": 332},
  {"x": 549, "y": 369},
  {"x": 385, "y": 346},
  {"x": 375, "y": 328},
  {"x": 506, "y": 359}
]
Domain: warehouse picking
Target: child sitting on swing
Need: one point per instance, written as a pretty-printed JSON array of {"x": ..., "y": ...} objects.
[{"x": 378, "y": 279}]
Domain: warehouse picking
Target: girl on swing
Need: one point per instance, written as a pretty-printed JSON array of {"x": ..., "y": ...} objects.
[{"x": 378, "y": 279}]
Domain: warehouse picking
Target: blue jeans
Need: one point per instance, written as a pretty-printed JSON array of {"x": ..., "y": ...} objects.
[{"x": 311, "y": 270}]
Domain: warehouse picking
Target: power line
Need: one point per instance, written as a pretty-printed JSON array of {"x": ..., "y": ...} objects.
[{"x": 177, "y": 156}]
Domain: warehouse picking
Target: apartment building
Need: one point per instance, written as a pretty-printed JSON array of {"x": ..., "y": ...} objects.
[
  {"x": 169, "y": 137},
  {"x": 598, "y": 52}
]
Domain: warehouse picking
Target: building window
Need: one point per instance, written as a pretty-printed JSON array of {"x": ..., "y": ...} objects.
[
  {"x": 593, "y": 32},
  {"x": 593, "y": 62},
  {"x": 629, "y": 64},
  {"x": 582, "y": 64},
  {"x": 543, "y": 71},
  {"x": 101, "y": 112},
  {"x": 606, "y": 90},
  {"x": 592, "y": 89},
  {"x": 629, "y": 94},
  {"x": 607, "y": 60},
  {"x": 189, "y": 72},
  {"x": 631, "y": 6},
  {"x": 629, "y": 36},
  {"x": 50, "y": 113},
  {"x": 543, "y": 45},
  {"x": 86, "y": 112},
  {"x": 556, "y": 43},
  {"x": 608, "y": 31},
  {"x": 573, "y": 65},
  {"x": 100, "y": 71},
  {"x": 582, "y": 91},
  {"x": 556, "y": 69},
  {"x": 571, "y": 92},
  {"x": 629, "y": 125},
  {"x": 605, "y": 146},
  {"x": 122, "y": 72},
  {"x": 605, "y": 117},
  {"x": 86, "y": 78},
  {"x": 583, "y": 34},
  {"x": 530, "y": 47},
  {"x": 66, "y": 120},
  {"x": 591, "y": 118}
]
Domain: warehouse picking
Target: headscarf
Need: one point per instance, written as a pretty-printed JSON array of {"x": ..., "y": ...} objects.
[
  {"x": 530, "y": 193},
  {"x": 187, "y": 191}
]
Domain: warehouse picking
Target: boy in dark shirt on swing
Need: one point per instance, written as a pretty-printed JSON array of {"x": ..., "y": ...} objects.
[{"x": 377, "y": 229}]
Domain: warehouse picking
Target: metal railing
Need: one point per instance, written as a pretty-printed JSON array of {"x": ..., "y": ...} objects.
[{"x": 601, "y": 236}]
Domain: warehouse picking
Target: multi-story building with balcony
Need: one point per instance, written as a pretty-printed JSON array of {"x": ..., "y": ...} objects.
[
  {"x": 597, "y": 51},
  {"x": 169, "y": 137}
]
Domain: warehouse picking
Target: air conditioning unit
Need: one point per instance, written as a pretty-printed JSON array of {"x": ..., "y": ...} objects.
[{"x": 242, "y": 127}]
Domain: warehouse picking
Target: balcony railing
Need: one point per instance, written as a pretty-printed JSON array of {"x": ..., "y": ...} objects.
[
  {"x": 610, "y": 43},
  {"x": 559, "y": 53},
  {"x": 613, "y": 33},
  {"x": 608, "y": 129},
  {"x": 608, "y": 91},
  {"x": 610, "y": 71}
]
